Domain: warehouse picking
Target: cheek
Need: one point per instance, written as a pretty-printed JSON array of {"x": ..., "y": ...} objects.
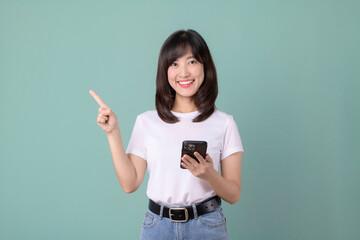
[
  {"x": 171, "y": 74},
  {"x": 199, "y": 72}
]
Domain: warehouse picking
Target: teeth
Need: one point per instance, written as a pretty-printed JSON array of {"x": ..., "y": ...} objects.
[{"x": 184, "y": 83}]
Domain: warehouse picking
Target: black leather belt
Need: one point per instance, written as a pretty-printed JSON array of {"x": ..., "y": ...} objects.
[{"x": 183, "y": 214}]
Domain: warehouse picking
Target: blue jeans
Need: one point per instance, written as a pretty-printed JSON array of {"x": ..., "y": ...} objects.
[{"x": 208, "y": 226}]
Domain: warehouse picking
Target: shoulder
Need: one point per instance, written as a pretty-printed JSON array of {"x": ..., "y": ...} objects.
[
  {"x": 147, "y": 116},
  {"x": 221, "y": 116}
]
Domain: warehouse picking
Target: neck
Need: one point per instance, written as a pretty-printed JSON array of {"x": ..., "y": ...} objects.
[{"x": 184, "y": 105}]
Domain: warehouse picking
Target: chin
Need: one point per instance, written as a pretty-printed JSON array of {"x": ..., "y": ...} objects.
[{"x": 186, "y": 94}]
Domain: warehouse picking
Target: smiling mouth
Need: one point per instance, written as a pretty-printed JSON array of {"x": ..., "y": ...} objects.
[{"x": 187, "y": 82}]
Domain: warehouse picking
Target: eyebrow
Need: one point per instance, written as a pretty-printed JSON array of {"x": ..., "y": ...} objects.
[{"x": 186, "y": 58}]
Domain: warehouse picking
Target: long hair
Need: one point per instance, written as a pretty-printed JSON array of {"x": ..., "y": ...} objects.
[{"x": 176, "y": 46}]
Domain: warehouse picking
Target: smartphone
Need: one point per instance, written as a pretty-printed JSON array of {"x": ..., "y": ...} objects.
[{"x": 189, "y": 147}]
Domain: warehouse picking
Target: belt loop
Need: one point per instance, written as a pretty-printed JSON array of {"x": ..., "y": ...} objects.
[
  {"x": 195, "y": 211},
  {"x": 161, "y": 211}
]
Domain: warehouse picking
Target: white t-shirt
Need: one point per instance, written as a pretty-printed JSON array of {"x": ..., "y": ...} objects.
[{"x": 160, "y": 143}]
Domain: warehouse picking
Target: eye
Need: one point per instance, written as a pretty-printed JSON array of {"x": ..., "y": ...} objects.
[
  {"x": 174, "y": 64},
  {"x": 192, "y": 62}
]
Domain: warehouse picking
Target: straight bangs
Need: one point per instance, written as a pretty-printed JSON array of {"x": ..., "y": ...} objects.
[{"x": 178, "y": 48}]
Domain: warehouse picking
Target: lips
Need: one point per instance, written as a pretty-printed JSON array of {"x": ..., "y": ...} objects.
[{"x": 185, "y": 83}]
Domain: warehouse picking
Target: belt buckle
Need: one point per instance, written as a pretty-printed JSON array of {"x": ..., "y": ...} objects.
[{"x": 186, "y": 214}]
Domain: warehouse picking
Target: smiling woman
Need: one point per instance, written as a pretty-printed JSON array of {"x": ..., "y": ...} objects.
[
  {"x": 185, "y": 74},
  {"x": 185, "y": 200},
  {"x": 185, "y": 57}
]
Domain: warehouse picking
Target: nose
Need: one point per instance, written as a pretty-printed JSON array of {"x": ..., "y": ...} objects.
[{"x": 184, "y": 71}]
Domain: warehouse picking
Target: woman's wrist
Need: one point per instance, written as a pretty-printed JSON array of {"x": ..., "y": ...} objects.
[
  {"x": 114, "y": 133},
  {"x": 212, "y": 176}
]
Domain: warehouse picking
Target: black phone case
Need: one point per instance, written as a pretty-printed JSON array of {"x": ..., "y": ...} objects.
[{"x": 200, "y": 147}]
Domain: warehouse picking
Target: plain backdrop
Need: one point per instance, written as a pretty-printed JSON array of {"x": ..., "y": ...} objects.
[{"x": 288, "y": 72}]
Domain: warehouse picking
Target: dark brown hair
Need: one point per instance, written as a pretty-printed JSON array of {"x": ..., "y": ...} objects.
[{"x": 175, "y": 47}]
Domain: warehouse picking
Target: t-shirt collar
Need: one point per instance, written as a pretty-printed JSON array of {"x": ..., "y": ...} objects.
[{"x": 185, "y": 115}]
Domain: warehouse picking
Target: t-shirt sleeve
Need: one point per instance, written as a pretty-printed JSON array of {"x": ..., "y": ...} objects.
[
  {"x": 232, "y": 141},
  {"x": 136, "y": 144}
]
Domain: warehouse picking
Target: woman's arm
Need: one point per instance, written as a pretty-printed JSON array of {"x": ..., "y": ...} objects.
[
  {"x": 228, "y": 184},
  {"x": 130, "y": 169}
]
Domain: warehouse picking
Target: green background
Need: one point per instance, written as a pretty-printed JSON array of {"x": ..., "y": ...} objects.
[{"x": 288, "y": 72}]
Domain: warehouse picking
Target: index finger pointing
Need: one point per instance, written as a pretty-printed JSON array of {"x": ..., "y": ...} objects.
[{"x": 98, "y": 99}]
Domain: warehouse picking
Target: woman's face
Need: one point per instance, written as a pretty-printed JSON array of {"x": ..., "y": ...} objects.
[{"x": 186, "y": 75}]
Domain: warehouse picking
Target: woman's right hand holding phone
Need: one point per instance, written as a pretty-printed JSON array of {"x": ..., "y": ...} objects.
[{"x": 106, "y": 118}]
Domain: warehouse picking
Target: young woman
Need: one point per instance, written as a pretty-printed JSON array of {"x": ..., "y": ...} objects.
[{"x": 183, "y": 203}]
